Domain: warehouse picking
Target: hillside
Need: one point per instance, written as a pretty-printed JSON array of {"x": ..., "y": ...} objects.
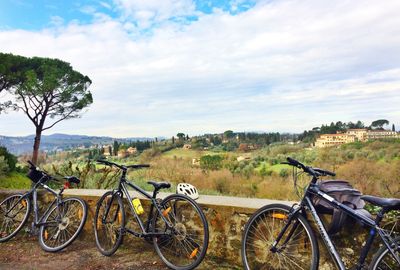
[{"x": 54, "y": 142}]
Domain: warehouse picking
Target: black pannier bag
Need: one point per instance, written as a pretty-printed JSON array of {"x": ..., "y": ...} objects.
[
  {"x": 35, "y": 175},
  {"x": 343, "y": 192}
]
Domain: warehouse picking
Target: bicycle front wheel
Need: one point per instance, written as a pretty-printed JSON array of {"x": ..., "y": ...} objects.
[
  {"x": 62, "y": 224},
  {"x": 183, "y": 245},
  {"x": 297, "y": 249},
  {"x": 384, "y": 260},
  {"x": 14, "y": 212},
  {"x": 109, "y": 222}
]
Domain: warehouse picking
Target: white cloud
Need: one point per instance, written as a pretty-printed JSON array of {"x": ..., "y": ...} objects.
[
  {"x": 148, "y": 12},
  {"x": 284, "y": 66}
]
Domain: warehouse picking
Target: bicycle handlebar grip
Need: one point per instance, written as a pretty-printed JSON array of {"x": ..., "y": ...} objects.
[
  {"x": 294, "y": 162},
  {"x": 331, "y": 173},
  {"x": 103, "y": 161},
  {"x": 137, "y": 166},
  {"x": 31, "y": 163}
]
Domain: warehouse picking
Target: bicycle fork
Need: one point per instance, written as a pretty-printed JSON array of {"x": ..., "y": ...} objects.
[{"x": 284, "y": 229}]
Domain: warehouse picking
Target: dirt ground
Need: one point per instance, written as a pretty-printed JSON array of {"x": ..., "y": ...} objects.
[{"x": 24, "y": 252}]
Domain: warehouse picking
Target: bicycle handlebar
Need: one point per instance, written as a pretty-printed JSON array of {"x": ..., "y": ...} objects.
[
  {"x": 31, "y": 163},
  {"x": 312, "y": 171},
  {"x": 123, "y": 167}
]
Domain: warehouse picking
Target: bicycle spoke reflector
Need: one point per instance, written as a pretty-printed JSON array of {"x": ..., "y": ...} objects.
[
  {"x": 194, "y": 252},
  {"x": 166, "y": 211},
  {"x": 279, "y": 216}
]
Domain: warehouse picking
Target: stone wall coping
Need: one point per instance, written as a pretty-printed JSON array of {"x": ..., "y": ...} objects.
[{"x": 230, "y": 201}]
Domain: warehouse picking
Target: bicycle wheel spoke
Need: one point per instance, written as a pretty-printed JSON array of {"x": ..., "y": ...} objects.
[
  {"x": 108, "y": 233},
  {"x": 292, "y": 253},
  {"x": 185, "y": 243},
  {"x": 13, "y": 214}
]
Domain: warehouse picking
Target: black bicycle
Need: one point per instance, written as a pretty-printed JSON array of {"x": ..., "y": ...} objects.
[
  {"x": 278, "y": 236},
  {"x": 176, "y": 225},
  {"x": 59, "y": 225}
]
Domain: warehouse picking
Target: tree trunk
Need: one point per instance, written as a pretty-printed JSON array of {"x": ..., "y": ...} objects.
[{"x": 36, "y": 145}]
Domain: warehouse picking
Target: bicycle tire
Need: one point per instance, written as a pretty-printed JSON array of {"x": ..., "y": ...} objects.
[
  {"x": 102, "y": 231},
  {"x": 5, "y": 221},
  {"x": 190, "y": 232},
  {"x": 259, "y": 234},
  {"x": 383, "y": 259},
  {"x": 70, "y": 218}
]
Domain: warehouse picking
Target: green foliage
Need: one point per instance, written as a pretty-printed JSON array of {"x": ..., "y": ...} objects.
[
  {"x": 116, "y": 147},
  {"x": 379, "y": 123},
  {"x": 229, "y": 134},
  {"x": 3, "y": 166},
  {"x": 11, "y": 69},
  {"x": 284, "y": 173},
  {"x": 264, "y": 170},
  {"x": 211, "y": 162},
  {"x": 49, "y": 87},
  {"x": 14, "y": 180},
  {"x": 8, "y": 158},
  {"x": 181, "y": 136}
]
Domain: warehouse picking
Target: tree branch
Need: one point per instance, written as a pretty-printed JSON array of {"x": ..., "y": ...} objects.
[
  {"x": 63, "y": 118},
  {"x": 26, "y": 110}
]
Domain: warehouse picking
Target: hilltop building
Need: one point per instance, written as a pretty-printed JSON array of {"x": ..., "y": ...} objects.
[
  {"x": 353, "y": 135},
  {"x": 187, "y": 146},
  {"x": 326, "y": 140},
  {"x": 361, "y": 134},
  {"x": 382, "y": 134},
  {"x": 131, "y": 150}
]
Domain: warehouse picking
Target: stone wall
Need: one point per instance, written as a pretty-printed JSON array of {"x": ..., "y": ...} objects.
[{"x": 227, "y": 217}]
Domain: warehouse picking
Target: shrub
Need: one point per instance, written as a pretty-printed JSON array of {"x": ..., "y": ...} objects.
[
  {"x": 3, "y": 166},
  {"x": 284, "y": 173},
  {"x": 211, "y": 162},
  {"x": 9, "y": 158}
]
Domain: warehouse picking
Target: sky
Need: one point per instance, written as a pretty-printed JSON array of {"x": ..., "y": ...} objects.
[{"x": 160, "y": 67}]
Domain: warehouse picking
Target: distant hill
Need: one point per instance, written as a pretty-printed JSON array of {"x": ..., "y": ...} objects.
[{"x": 20, "y": 145}]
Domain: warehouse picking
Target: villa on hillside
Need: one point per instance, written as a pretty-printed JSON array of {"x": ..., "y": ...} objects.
[
  {"x": 382, "y": 134},
  {"x": 353, "y": 135},
  {"x": 326, "y": 140},
  {"x": 131, "y": 150}
]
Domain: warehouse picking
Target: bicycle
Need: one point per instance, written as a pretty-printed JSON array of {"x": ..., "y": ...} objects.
[
  {"x": 278, "y": 236},
  {"x": 176, "y": 225},
  {"x": 57, "y": 227}
]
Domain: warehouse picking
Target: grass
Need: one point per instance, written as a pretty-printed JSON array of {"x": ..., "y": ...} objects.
[
  {"x": 15, "y": 180},
  {"x": 275, "y": 168},
  {"x": 186, "y": 153}
]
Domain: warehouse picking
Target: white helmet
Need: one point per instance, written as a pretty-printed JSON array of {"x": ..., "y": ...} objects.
[{"x": 188, "y": 190}]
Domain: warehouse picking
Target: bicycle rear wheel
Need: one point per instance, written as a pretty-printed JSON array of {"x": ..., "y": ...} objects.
[
  {"x": 384, "y": 260},
  {"x": 18, "y": 213},
  {"x": 299, "y": 251},
  {"x": 109, "y": 222},
  {"x": 63, "y": 224},
  {"x": 183, "y": 246}
]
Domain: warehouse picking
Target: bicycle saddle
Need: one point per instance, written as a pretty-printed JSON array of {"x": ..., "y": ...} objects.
[
  {"x": 159, "y": 185},
  {"x": 72, "y": 179},
  {"x": 389, "y": 204}
]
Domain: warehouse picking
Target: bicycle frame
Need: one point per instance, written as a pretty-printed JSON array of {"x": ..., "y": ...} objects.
[
  {"x": 306, "y": 203},
  {"x": 145, "y": 228},
  {"x": 38, "y": 221}
]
